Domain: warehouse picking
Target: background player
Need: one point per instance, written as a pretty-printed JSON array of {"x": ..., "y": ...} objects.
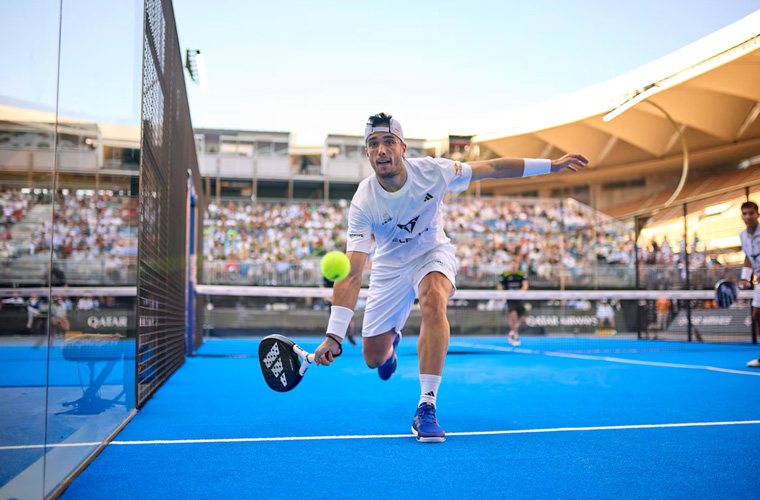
[
  {"x": 606, "y": 316},
  {"x": 401, "y": 206},
  {"x": 513, "y": 280},
  {"x": 750, "y": 239}
]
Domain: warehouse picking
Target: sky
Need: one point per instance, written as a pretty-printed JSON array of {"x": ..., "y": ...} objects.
[
  {"x": 312, "y": 68},
  {"x": 441, "y": 67}
]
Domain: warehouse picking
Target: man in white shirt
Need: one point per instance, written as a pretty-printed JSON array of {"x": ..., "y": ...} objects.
[
  {"x": 750, "y": 239},
  {"x": 401, "y": 206}
]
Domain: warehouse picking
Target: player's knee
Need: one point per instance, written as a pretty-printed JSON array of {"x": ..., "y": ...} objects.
[
  {"x": 374, "y": 357},
  {"x": 373, "y": 360},
  {"x": 433, "y": 304},
  {"x": 376, "y": 349}
]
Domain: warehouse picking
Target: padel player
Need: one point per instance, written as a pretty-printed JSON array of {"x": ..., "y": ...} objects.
[
  {"x": 401, "y": 206},
  {"x": 750, "y": 239},
  {"x": 514, "y": 280}
]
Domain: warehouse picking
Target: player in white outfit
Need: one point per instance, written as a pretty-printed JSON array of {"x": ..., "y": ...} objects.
[
  {"x": 401, "y": 206},
  {"x": 750, "y": 239}
]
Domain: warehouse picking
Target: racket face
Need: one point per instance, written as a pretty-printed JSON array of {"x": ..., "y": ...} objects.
[
  {"x": 725, "y": 293},
  {"x": 279, "y": 363}
]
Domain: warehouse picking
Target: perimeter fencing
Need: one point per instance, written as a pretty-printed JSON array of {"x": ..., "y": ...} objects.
[{"x": 694, "y": 243}]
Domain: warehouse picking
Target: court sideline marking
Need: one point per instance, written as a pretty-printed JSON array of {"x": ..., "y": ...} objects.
[
  {"x": 386, "y": 436},
  {"x": 602, "y": 358}
]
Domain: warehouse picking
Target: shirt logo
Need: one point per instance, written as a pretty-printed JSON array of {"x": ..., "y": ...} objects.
[
  {"x": 458, "y": 170},
  {"x": 409, "y": 226},
  {"x": 386, "y": 218},
  {"x": 428, "y": 197},
  {"x": 355, "y": 235}
]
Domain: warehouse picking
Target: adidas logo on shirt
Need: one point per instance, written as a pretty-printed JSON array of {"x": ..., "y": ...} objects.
[{"x": 428, "y": 197}]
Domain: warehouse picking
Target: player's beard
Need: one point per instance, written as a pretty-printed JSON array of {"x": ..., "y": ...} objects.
[{"x": 392, "y": 172}]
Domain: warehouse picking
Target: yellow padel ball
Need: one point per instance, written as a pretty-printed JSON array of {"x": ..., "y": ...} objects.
[{"x": 335, "y": 266}]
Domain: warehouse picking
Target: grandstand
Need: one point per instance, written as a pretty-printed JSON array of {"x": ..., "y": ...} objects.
[{"x": 279, "y": 243}]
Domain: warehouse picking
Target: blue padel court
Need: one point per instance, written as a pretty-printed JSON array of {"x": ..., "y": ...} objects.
[{"x": 596, "y": 419}]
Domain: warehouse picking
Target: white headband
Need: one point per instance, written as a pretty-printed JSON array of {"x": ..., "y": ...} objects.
[{"x": 394, "y": 129}]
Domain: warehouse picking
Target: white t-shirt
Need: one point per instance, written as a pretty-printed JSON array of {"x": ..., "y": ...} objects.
[
  {"x": 406, "y": 223},
  {"x": 751, "y": 248},
  {"x": 604, "y": 311}
]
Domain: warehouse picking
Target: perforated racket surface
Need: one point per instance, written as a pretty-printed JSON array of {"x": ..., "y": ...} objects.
[
  {"x": 281, "y": 363},
  {"x": 726, "y": 293}
]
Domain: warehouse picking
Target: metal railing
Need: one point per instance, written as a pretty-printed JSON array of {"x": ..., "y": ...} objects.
[
  {"x": 31, "y": 271},
  {"x": 306, "y": 273}
]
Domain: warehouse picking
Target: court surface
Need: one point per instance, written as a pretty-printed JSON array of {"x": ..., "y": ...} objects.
[{"x": 521, "y": 423}]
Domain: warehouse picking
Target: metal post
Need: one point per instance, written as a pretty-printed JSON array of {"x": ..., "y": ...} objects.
[
  {"x": 686, "y": 264},
  {"x": 639, "y": 309},
  {"x": 561, "y": 264},
  {"x": 636, "y": 250}
]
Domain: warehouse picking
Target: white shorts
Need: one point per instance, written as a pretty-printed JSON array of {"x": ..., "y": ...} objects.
[
  {"x": 756, "y": 297},
  {"x": 391, "y": 296}
]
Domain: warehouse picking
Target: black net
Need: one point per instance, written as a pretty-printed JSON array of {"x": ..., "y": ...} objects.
[{"x": 168, "y": 154}]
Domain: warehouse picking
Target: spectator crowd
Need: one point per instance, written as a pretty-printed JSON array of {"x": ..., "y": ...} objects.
[
  {"x": 91, "y": 236},
  {"x": 247, "y": 239},
  {"x": 556, "y": 242}
]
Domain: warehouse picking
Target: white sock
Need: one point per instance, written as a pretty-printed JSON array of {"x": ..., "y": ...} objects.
[{"x": 429, "y": 388}]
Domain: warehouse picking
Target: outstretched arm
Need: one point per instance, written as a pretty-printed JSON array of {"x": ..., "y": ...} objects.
[
  {"x": 509, "y": 168},
  {"x": 345, "y": 293}
]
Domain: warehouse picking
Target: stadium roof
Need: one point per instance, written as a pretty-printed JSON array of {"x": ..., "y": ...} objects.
[
  {"x": 113, "y": 134},
  {"x": 711, "y": 88}
]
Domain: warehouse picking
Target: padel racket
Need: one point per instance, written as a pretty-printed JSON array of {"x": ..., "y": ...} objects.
[
  {"x": 283, "y": 362},
  {"x": 726, "y": 293}
]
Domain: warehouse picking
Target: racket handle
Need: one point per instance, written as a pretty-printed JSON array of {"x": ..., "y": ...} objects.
[
  {"x": 305, "y": 356},
  {"x": 307, "y": 360}
]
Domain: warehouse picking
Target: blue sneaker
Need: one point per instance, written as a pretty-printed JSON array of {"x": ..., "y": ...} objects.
[
  {"x": 425, "y": 426},
  {"x": 389, "y": 367}
]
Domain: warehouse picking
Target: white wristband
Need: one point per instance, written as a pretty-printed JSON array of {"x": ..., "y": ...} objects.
[
  {"x": 536, "y": 167},
  {"x": 746, "y": 273},
  {"x": 340, "y": 318}
]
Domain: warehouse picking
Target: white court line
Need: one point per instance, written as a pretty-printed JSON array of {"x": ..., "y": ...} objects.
[
  {"x": 603, "y": 358},
  {"x": 390, "y": 436}
]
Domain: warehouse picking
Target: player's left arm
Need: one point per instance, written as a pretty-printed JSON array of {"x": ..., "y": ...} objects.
[{"x": 509, "y": 168}]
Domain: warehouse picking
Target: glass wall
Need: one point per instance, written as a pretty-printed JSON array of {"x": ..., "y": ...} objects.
[{"x": 70, "y": 97}]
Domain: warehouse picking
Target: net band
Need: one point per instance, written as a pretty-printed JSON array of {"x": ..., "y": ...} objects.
[{"x": 273, "y": 291}]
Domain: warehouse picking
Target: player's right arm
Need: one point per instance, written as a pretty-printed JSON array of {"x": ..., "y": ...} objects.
[
  {"x": 345, "y": 294},
  {"x": 346, "y": 291},
  {"x": 746, "y": 280}
]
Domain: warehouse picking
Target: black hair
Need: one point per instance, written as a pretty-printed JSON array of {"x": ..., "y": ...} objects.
[
  {"x": 378, "y": 119},
  {"x": 750, "y": 204}
]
